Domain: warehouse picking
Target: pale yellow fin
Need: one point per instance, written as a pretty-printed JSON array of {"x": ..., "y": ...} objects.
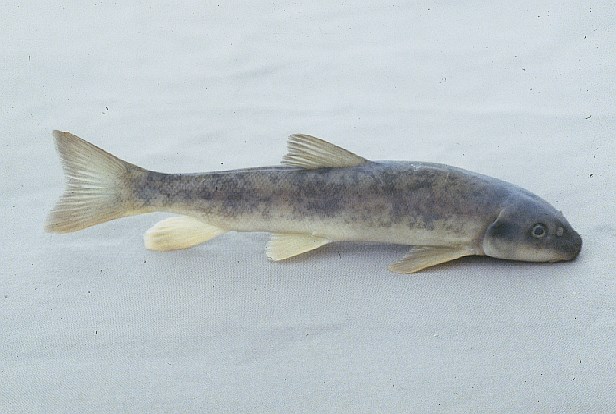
[
  {"x": 99, "y": 186},
  {"x": 425, "y": 256},
  {"x": 310, "y": 152},
  {"x": 177, "y": 233},
  {"x": 284, "y": 246}
]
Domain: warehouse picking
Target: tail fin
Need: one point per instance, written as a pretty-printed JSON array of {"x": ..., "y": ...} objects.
[{"x": 98, "y": 189}]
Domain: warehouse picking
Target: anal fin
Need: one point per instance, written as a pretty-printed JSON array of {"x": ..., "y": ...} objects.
[
  {"x": 422, "y": 257},
  {"x": 283, "y": 246},
  {"x": 179, "y": 232}
]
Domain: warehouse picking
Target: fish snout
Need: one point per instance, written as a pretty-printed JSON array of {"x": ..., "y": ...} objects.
[{"x": 573, "y": 246}]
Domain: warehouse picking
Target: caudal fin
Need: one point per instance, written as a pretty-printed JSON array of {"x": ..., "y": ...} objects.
[{"x": 98, "y": 186}]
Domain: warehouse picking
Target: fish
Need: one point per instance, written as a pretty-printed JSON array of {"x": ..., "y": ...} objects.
[{"x": 321, "y": 193}]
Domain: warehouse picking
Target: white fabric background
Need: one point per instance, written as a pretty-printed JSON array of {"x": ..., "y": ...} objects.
[{"x": 92, "y": 322}]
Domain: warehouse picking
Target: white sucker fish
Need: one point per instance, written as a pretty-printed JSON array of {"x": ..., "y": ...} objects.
[{"x": 322, "y": 193}]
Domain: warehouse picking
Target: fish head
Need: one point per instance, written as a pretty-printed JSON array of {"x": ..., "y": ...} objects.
[{"x": 531, "y": 230}]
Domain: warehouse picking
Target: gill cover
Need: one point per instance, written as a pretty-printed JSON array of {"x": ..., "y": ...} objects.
[{"x": 498, "y": 240}]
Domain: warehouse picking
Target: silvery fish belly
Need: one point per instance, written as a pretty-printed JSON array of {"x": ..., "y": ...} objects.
[{"x": 322, "y": 193}]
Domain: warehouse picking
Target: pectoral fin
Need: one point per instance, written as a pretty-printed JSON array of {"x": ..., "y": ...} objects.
[
  {"x": 284, "y": 246},
  {"x": 426, "y": 256},
  {"x": 180, "y": 232}
]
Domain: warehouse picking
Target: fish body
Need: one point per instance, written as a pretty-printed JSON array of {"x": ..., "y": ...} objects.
[
  {"x": 323, "y": 194},
  {"x": 389, "y": 202}
]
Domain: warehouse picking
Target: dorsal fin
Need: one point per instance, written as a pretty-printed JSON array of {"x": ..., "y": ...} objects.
[{"x": 310, "y": 152}]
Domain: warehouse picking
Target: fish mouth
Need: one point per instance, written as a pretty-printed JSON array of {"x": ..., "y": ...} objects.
[
  {"x": 564, "y": 251},
  {"x": 572, "y": 247}
]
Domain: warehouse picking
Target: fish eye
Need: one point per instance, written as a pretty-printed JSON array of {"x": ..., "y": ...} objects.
[{"x": 538, "y": 231}]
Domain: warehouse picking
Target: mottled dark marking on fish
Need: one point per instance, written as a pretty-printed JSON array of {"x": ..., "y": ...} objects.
[{"x": 323, "y": 193}]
